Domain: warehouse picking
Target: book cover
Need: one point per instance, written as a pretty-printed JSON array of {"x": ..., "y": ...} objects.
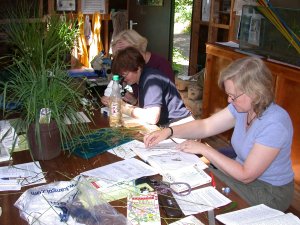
[{"x": 143, "y": 209}]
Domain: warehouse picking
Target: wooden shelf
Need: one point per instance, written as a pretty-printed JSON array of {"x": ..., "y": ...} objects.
[{"x": 211, "y": 31}]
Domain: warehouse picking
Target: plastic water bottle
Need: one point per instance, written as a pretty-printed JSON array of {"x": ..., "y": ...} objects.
[{"x": 115, "y": 114}]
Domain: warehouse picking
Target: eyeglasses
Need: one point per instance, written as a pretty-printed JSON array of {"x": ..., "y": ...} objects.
[
  {"x": 124, "y": 75},
  {"x": 234, "y": 98}
]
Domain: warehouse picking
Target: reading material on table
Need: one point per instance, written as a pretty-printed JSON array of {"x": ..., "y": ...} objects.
[
  {"x": 143, "y": 209},
  {"x": 165, "y": 157},
  {"x": 16, "y": 176},
  {"x": 81, "y": 117},
  {"x": 258, "y": 215},
  {"x": 4, "y": 154},
  {"x": 190, "y": 220},
  {"x": 192, "y": 175},
  {"x": 201, "y": 200},
  {"x": 124, "y": 151},
  {"x": 125, "y": 170}
]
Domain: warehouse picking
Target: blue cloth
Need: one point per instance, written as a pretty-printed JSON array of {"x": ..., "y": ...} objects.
[
  {"x": 273, "y": 129},
  {"x": 81, "y": 73},
  {"x": 96, "y": 143},
  {"x": 157, "y": 90}
]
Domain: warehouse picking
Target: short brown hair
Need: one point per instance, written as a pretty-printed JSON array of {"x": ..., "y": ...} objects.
[
  {"x": 251, "y": 76},
  {"x": 127, "y": 59}
]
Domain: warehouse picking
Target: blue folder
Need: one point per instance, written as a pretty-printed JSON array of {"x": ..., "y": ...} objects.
[{"x": 82, "y": 73}]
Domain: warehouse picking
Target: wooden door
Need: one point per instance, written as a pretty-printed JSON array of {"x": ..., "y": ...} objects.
[{"x": 155, "y": 23}]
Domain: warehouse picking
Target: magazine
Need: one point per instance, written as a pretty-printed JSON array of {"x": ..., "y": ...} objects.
[{"x": 143, "y": 209}]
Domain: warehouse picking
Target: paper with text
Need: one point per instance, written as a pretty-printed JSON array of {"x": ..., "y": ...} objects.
[
  {"x": 125, "y": 170},
  {"x": 201, "y": 200},
  {"x": 164, "y": 157},
  {"x": 124, "y": 151},
  {"x": 192, "y": 175},
  {"x": 190, "y": 220},
  {"x": 259, "y": 214},
  {"x": 16, "y": 176}
]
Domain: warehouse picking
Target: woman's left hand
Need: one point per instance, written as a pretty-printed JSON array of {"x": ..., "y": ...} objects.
[{"x": 190, "y": 146}]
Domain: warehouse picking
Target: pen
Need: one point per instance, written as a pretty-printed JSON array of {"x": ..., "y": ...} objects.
[
  {"x": 213, "y": 182},
  {"x": 11, "y": 178}
]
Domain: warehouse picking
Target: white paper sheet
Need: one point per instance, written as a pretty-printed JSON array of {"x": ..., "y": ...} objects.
[
  {"x": 259, "y": 214},
  {"x": 125, "y": 170},
  {"x": 16, "y": 176},
  {"x": 124, "y": 151},
  {"x": 82, "y": 118},
  {"x": 201, "y": 200}
]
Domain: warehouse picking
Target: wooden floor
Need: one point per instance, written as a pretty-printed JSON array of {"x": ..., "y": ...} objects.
[{"x": 217, "y": 142}]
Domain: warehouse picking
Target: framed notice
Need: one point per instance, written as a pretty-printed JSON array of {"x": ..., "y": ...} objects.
[
  {"x": 92, "y": 6},
  {"x": 150, "y": 2},
  {"x": 65, "y": 5},
  {"x": 205, "y": 10}
]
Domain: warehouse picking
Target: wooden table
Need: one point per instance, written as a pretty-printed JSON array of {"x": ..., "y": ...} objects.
[{"x": 66, "y": 167}]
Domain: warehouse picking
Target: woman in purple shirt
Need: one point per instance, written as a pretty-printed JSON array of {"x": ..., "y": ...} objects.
[{"x": 131, "y": 38}]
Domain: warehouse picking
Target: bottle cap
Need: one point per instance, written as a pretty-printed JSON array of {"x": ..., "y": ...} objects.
[{"x": 115, "y": 77}]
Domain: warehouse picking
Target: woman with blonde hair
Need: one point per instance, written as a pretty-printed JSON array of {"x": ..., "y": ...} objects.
[{"x": 262, "y": 171}]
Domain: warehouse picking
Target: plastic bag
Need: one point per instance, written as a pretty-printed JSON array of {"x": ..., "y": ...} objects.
[{"x": 67, "y": 202}]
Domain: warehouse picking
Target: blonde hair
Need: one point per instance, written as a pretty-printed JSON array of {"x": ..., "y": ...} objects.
[
  {"x": 133, "y": 38},
  {"x": 251, "y": 76}
]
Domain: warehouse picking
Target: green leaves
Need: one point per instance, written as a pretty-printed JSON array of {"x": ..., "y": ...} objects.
[{"x": 38, "y": 70}]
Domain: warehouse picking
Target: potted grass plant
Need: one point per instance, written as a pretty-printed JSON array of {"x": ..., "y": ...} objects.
[{"x": 38, "y": 83}]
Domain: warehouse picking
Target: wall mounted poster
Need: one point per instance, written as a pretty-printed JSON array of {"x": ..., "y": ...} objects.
[
  {"x": 65, "y": 5},
  {"x": 205, "y": 10},
  {"x": 92, "y": 6},
  {"x": 150, "y": 2}
]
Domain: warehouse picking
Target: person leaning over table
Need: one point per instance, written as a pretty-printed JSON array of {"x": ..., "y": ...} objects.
[
  {"x": 132, "y": 38},
  {"x": 159, "y": 101},
  {"x": 262, "y": 136}
]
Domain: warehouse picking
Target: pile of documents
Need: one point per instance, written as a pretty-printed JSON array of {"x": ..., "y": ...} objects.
[{"x": 16, "y": 176}]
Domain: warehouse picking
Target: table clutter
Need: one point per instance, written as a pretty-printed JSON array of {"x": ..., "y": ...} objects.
[{"x": 114, "y": 175}]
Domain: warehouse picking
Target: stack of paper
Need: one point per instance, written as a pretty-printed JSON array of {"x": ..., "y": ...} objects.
[
  {"x": 190, "y": 220},
  {"x": 192, "y": 175},
  {"x": 121, "y": 171},
  {"x": 16, "y": 176},
  {"x": 258, "y": 215},
  {"x": 165, "y": 157},
  {"x": 201, "y": 200}
]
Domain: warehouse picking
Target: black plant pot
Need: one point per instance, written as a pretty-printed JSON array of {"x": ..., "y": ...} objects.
[{"x": 50, "y": 141}]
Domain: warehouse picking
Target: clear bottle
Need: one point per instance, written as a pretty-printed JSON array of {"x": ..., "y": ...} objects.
[{"x": 115, "y": 114}]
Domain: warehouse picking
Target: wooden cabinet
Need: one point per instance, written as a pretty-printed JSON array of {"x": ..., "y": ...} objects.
[
  {"x": 212, "y": 21},
  {"x": 287, "y": 95}
]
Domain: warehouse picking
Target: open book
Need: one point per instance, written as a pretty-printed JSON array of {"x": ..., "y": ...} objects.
[
  {"x": 165, "y": 157},
  {"x": 258, "y": 215}
]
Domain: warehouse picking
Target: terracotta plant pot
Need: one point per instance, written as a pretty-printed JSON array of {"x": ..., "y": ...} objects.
[{"x": 50, "y": 141}]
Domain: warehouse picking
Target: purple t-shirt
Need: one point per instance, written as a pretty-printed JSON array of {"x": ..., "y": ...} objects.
[
  {"x": 273, "y": 129},
  {"x": 160, "y": 63}
]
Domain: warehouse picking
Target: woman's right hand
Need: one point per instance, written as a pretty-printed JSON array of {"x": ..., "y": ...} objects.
[{"x": 156, "y": 137}]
